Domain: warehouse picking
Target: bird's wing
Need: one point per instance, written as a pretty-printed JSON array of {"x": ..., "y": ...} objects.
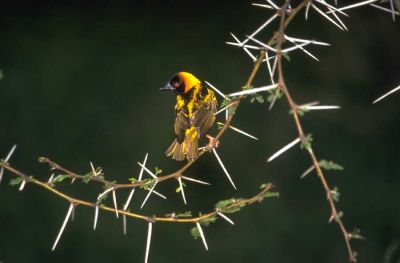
[
  {"x": 203, "y": 117},
  {"x": 181, "y": 124}
]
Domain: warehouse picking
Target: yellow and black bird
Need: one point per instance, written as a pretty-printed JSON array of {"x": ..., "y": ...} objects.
[{"x": 194, "y": 114}]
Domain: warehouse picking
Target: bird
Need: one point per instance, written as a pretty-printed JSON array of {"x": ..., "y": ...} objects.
[{"x": 194, "y": 115}]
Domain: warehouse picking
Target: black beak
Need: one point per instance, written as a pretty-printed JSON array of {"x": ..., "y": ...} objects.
[{"x": 167, "y": 87}]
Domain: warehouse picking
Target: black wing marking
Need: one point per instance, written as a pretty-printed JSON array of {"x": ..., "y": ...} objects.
[
  {"x": 204, "y": 118},
  {"x": 181, "y": 124}
]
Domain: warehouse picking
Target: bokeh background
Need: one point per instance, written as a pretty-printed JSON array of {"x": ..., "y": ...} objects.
[{"x": 81, "y": 84}]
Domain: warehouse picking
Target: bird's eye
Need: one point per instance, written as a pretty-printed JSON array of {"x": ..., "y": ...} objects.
[{"x": 175, "y": 84}]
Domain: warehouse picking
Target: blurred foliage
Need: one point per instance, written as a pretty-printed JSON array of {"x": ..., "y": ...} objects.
[{"x": 81, "y": 84}]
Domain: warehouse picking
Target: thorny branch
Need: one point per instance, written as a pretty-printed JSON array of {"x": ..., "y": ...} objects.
[{"x": 286, "y": 15}]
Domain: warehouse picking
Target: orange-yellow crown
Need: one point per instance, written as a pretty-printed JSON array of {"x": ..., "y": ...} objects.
[{"x": 189, "y": 79}]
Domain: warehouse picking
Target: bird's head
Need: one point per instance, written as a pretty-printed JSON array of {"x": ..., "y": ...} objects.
[{"x": 181, "y": 83}]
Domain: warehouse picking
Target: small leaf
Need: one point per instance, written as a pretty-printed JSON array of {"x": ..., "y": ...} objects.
[
  {"x": 270, "y": 194},
  {"x": 158, "y": 171},
  {"x": 286, "y": 56},
  {"x": 335, "y": 194},
  {"x": 208, "y": 220},
  {"x": 306, "y": 143},
  {"x": 220, "y": 125},
  {"x": 59, "y": 178},
  {"x": 225, "y": 103},
  {"x": 194, "y": 231},
  {"x": 274, "y": 94},
  {"x": 133, "y": 180},
  {"x": 15, "y": 181},
  {"x": 87, "y": 177},
  {"x": 330, "y": 165},
  {"x": 184, "y": 214},
  {"x": 223, "y": 205}
]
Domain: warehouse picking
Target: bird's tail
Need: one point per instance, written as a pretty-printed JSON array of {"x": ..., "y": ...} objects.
[{"x": 189, "y": 148}]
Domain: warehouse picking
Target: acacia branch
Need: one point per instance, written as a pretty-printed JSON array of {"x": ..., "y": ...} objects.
[
  {"x": 75, "y": 201},
  {"x": 294, "y": 109}
]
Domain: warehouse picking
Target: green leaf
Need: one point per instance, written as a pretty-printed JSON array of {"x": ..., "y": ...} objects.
[
  {"x": 286, "y": 56},
  {"x": 225, "y": 102},
  {"x": 335, "y": 194},
  {"x": 158, "y": 171},
  {"x": 270, "y": 194},
  {"x": 184, "y": 214},
  {"x": 148, "y": 184},
  {"x": 133, "y": 180},
  {"x": 306, "y": 143},
  {"x": 223, "y": 205},
  {"x": 59, "y": 178},
  {"x": 15, "y": 181},
  {"x": 256, "y": 97},
  {"x": 302, "y": 110},
  {"x": 274, "y": 94},
  {"x": 330, "y": 165},
  {"x": 87, "y": 177},
  {"x": 194, "y": 231},
  {"x": 208, "y": 220}
]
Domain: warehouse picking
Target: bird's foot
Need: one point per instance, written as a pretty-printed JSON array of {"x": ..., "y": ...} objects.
[{"x": 213, "y": 143}]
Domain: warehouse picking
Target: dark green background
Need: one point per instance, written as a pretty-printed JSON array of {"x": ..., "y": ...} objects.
[{"x": 81, "y": 84}]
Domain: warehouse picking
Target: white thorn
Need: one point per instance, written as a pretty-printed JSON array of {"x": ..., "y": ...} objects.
[
  {"x": 385, "y": 9},
  {"x": 224, "y": 108},
  {"x": 104, "y": 193},
  {"x": 284, "y": 149},
  {"x": 215, "y": 89},
  {"x": 160, "y": 195},
  {"x": 260, "y": 28},
  {"x": 357, "y": 5},
  {"x": 223, "y": 168},
  {"x": 271, "y": 75},
  {"x": 263, "y": 44},
  {"x": 202, "y": 235},
  {"x": 50, "y": 179},
  {"x": 10, "y": 153},
  {"x": 115, "y": 202},
  {"x": 182, "y": 191},
  {"x": 273, "y": 4},
  {"x": 96, "y": 217},
  {"x": 194, "y": 180},
  {"x": 307, "y": 9},
  {"x": 261, "y": 5},
  {"x": 71, "y": 207},
  {"x": 148, "y": 171},
  {"x": 124, "y": 224},
  {"x": 321, "y": 107},
  {"x": 332, "y": 8},
  {"x": 392, "y": 10},
  {"x": 308, "y": 171},
  {"x": 386, "y": 94},
  {"x": 242, "y": 132},
  {"x": 326, "y": 16},
  {"x": 303, "y": 49},
  {"x": 149, "y": 230},
  {"x": 338, "y": 19},
  {"x": 254, "y": 90},
  {"x": 307, "y": 41},
  {"x": 128, "y": 201},
  {"x": 148, "y": 194},
  {"x": 226, "y": 218},
  {"x": 22, "y": 186},
  {"x": 93, "y": 170}
]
